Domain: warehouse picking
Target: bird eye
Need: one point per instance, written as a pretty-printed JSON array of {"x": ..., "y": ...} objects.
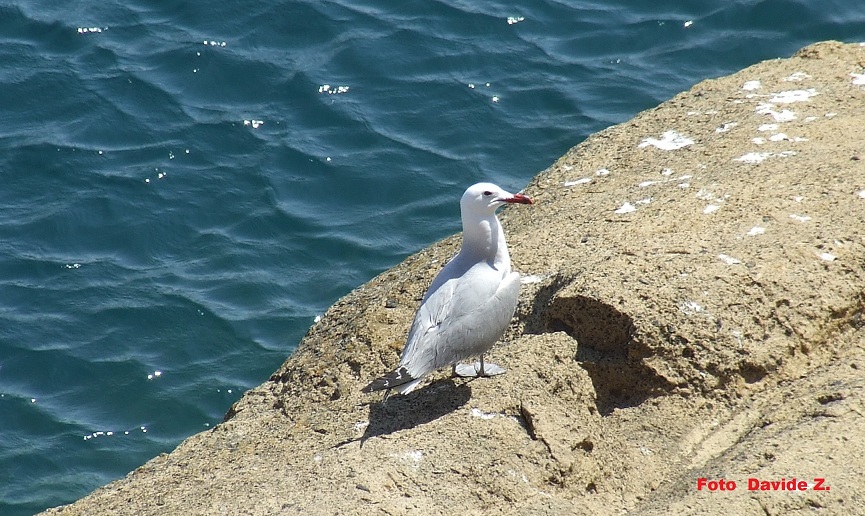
[{"x": 488, "y": 193}]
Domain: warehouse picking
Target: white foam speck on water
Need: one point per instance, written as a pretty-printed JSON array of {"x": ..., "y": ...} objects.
[
  {"x": 90, "y": 30},
  {"x": 338, "y": 90},
  {"x": 688, "y": 23},
  {"x": 255, "y": 124},
  {"x": 514, "y": 19},
  {"x": 110, "y": 433},
  {"x": 581, "y": 181},
  {"x": 756, "y": 230},
  {"x": 214, "y": 43},
  {"x": 729, "y": 260},
  {"x": 625, "y": 208},
  {"x": 787, "y": 97},
  {"x": 751, "y": 85},
  {"x": 670, "y": 140}
]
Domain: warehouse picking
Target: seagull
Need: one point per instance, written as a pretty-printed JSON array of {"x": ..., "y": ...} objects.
[{"x": 470, "y": 302}]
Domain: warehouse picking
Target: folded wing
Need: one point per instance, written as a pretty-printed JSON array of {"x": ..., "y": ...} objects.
[{"x": 461, "y": 318}]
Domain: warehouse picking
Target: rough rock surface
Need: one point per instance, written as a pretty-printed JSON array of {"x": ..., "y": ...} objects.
[{"x": 692, "y": 307}]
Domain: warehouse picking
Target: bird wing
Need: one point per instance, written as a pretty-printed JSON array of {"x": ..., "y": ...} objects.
[{"x": 461, "y": 316}]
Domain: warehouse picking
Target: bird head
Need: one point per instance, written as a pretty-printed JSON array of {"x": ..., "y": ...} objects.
[{"x": 485, "y": 198}]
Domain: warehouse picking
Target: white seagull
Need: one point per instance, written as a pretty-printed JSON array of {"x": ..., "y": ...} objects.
[{"x": 469, "y": 304}]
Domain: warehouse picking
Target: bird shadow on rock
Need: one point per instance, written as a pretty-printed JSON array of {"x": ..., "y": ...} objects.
[
  {"x": 422, "y": 406},
  {"x": 606, "y": 346}
]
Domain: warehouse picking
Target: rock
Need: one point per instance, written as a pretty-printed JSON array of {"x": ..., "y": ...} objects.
[{"x": 693, "y": 308}]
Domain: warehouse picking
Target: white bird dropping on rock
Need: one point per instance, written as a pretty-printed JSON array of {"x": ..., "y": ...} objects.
[{"x": 469, "y": 304}]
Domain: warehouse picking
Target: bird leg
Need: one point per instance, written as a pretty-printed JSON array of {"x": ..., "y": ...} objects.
[{"x": 478, "y": 369}]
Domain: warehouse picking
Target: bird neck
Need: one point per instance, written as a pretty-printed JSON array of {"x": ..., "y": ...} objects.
[{"x": 484, "y": 239}]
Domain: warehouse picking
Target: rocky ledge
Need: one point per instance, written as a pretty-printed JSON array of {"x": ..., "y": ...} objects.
[{"x": 692, "y": 308}]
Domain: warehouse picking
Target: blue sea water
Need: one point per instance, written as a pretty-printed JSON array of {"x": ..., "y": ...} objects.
[{"x": 184, "y": 186}]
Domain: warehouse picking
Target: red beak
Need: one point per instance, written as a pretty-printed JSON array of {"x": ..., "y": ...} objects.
[{"x": 520, "y": 199}]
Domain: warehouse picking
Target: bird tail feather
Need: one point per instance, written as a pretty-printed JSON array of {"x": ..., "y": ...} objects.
[{"x": 398, "y": 379}]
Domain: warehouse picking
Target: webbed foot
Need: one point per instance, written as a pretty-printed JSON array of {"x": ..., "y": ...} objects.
[{"x": 478, "y": 369}]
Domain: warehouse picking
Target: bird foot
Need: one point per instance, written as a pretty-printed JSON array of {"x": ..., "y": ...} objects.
[{"x": 474, "y": 370}]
